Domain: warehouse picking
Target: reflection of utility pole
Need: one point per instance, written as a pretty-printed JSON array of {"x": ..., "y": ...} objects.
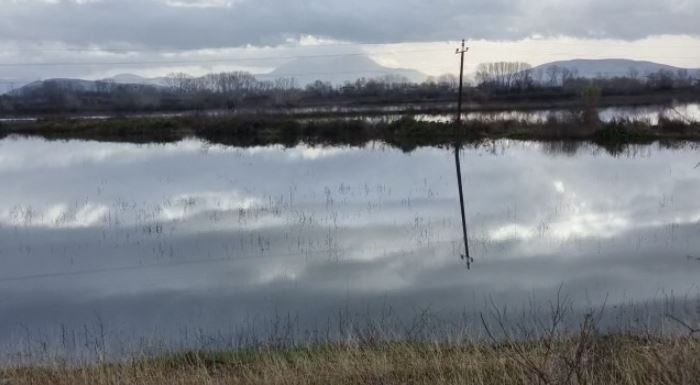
[{"x": 461, "y": 51}]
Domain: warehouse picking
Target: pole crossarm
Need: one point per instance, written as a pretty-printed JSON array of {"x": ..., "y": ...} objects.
[{"x": 463, "y": 49}]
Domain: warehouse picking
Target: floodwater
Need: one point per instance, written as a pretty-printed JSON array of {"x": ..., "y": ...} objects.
[
  {"x": 125, "y": 247},
  {"x": 685, "y": 112},
  {"x": 689, "y": 112}
]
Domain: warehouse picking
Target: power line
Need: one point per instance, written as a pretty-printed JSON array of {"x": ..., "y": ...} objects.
[
  {"x": 172, "y": 50},
  {"x": 185, "y": 263},
  {"x": 97, "y": 49},
  {"x": 267, "y": 58},
  {"x": 206, "y": 61},
  {"x": 250, "y": 59},
  {"x": 263, "y": 76}
]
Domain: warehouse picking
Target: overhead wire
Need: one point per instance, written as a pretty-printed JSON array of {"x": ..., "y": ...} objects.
[
  {"x": 139, "y": 267},
  {"x": 207, "y": 61}
]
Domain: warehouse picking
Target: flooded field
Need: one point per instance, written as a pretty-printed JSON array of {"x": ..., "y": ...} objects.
[
  {"x": 686, "y": 112},
  {"x": 110, "y": 248}
]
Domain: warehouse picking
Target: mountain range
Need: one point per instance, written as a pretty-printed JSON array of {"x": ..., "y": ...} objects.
[
  {"x": 340, "y": 69},
  {"x": 136, "y": 79},
  {"x": 609, "y": 68}
]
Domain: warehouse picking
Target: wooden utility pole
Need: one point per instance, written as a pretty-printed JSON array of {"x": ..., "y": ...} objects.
[
  {"x": 458, "y": 144},
  {"x": 461, "y": 51}
]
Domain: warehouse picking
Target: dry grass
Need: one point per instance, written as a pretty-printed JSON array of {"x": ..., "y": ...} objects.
[{"x": 586, "y": 359}]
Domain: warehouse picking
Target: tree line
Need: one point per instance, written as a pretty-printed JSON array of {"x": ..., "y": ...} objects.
[
  {"x": 517, "y": 76},
  {"x": 499, "y": 81}
]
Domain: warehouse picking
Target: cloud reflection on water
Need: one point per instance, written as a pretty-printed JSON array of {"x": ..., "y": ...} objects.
[{"x": 140, "y": 232}]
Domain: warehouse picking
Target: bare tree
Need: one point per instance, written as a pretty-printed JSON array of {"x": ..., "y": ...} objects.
[
  {"x": 504, "y": 75},
  {"x": 448, "y": 81},
  {"x": 633, "y": 73},
  {"x": 180, "y": 82},
  {"x": 553, "y": 75}
]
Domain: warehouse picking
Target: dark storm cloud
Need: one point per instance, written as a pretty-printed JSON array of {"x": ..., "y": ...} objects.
[{"x": 219, "y": 23}]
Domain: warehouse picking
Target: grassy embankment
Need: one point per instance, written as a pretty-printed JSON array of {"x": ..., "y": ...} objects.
[
  {"x": 585, "y": 359},
  {"x": 405, "y": 133}
]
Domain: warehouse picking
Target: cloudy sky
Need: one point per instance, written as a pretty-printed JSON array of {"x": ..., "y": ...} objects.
[{"x": 97, "y": 38}]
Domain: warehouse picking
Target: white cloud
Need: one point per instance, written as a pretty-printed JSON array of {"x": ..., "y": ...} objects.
[
  {"x": 188, "y": 205},
  {"x": 55, "y": 216},
  {"x": 559, "y": 186}
]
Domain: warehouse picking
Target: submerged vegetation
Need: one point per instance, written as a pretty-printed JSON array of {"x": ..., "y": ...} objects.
[
  {"x": 551, "y": 353},
  {"x": 588, "y": 354},
  {"x": 406, "y": 133},
  {"x": 555, "y": 346}
]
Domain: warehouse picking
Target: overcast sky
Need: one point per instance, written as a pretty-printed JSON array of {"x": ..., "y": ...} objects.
[{"x": 208, "y": 35}]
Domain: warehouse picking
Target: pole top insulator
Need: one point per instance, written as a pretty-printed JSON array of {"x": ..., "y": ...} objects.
[{"x": 463, "y": 48}]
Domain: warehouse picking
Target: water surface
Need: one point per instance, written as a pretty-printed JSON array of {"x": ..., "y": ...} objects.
[
  {"x": 686, "y": 112},
  {"x": 138, "y": 243}
]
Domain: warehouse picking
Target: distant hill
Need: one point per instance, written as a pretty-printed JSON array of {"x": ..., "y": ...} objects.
[
  {"x": 608, "y": 68},
  {"x": 9, "y": 85},
  {"x": 81, "y": 85},
  {"x": 334, "y": 69},
  {"x": 338, "y": 70},
  {"x": 136, "y": 79},
  {"x": 63, "y": 84}
]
